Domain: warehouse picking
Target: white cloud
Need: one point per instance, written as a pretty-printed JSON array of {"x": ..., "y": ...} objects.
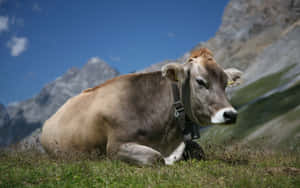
[
  {"x": 36, "y": 7},
  {"x": 17, "y": 45},
  {"x": 171, "y": 34},
  {"x": 3, "y": 23},
  {"x": 114, "y": 58}
]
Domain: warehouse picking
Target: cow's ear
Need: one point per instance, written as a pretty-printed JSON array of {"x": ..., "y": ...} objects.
[
  {"x": 234, "y": 77},
  {"x": 173, "y": 71}
]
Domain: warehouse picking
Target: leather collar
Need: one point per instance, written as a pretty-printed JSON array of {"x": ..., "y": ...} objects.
[{"x": 189, "y": 129}]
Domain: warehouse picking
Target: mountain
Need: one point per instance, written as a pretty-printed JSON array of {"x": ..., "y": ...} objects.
[
  {"x": 27, "y": 116},
  {"x": 248, "y": 28}
]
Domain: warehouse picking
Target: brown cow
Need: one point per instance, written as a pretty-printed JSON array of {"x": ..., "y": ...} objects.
[{"x": 131, "y": 117}]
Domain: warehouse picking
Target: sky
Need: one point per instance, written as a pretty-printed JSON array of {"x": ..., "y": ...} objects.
[{"x": 41, "y": 39}]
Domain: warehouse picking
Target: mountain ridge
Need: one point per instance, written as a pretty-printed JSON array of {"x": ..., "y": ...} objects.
[{"x": 28, "y": 115}]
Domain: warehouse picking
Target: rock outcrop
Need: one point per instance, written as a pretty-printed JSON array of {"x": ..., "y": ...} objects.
[{"x": 249, "y": 27}]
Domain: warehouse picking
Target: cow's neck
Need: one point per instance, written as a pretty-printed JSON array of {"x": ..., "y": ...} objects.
[
  {"x": 178, "y": 97},
  {"x": 153, "y": 97},
  {"x": 182, "y": 111}
]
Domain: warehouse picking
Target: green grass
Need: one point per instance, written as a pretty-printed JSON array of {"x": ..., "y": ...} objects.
[
  {"x": 223, "y": 168},
  {"x": 267, "y": 109},
  {"x": 259, "y": 87}
]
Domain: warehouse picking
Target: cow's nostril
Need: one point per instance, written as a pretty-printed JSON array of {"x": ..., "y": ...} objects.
[{"x": 230, "y": 116}]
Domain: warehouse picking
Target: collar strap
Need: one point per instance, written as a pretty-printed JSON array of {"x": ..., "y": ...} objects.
[
  {"x": 188, "y": 128},
  {"x": 179, "y": 108}
]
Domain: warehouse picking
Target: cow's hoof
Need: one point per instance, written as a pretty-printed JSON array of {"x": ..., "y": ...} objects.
[{"x": 193, "y": 151}]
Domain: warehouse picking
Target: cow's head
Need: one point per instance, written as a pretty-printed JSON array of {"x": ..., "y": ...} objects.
[{"x": 203, "y": 84}]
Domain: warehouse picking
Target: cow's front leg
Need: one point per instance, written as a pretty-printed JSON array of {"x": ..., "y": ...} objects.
[
  {"x": 144, "y": 155},
  {"x": 138, "y": 154},
  {"x": 176, "y": 155}
]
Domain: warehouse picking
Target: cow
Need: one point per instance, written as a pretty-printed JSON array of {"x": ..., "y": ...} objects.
[{"x": 131, "y": 117}]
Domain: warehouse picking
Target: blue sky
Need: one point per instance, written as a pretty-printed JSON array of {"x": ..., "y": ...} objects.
[{"x": 41, "y": 39}]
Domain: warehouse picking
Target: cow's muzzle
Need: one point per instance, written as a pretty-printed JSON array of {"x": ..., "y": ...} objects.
[{"x": 225, "y": 116}]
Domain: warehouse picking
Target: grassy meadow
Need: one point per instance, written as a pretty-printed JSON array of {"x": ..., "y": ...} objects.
[{"x": 234, "y": 167}]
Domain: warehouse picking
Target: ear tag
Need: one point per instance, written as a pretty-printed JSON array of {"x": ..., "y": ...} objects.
[{"x": 230, "y": 83}]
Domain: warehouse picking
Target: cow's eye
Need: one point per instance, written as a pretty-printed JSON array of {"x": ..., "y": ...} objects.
[{"x": 202, "y": 83}]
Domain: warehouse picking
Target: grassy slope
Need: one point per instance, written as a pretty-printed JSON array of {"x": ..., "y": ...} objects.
[
  {"x": 288, "y": 127},
  {"x": 257, "y": 114},
  {"x": 235, "y": 168},
  {"x": 259, "y": 87}
]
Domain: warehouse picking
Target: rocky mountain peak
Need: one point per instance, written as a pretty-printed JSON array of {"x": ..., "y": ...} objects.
[
  {"x": 248, "y": 28},
  {"x": 244, "y": 18},
  {"x": 28, "y": 115}
]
